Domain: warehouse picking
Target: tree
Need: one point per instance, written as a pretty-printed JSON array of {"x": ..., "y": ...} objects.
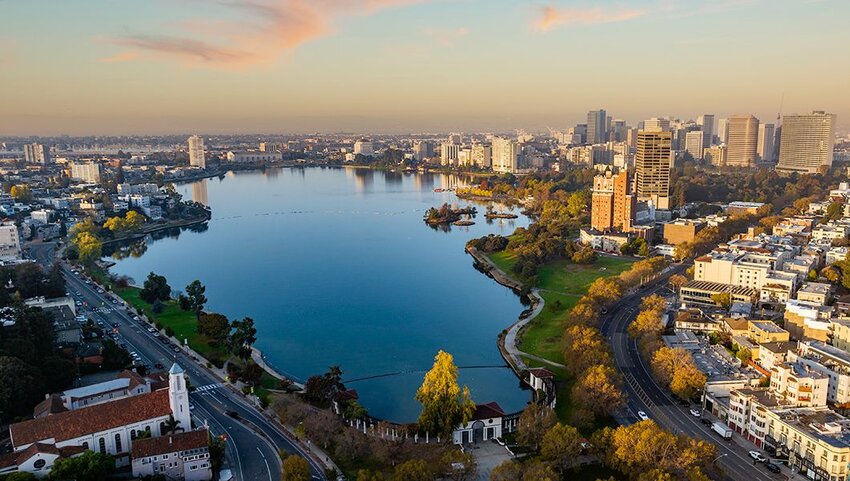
[
  {"x": 155, "y": 287},
  {"x": 577, "y": 202},
  {"x": 413, "y": 470},
  {"x": 833, "y": 212},
  {"x": 604, "y": 291},
  {"x": 445, "y": 405},
  {"x": 644, "y": 447},
  {"x": 745, "y": 355},
  {"x": 509, "y": 470},
  {"x": 89, "y": 466},
  {"x": 584, "y": 347},
  {"x": 831, "y": 273},
  {"x": 295, "y": 468},
  {"x": 20, "y": 387},
  {"x": 585, "y": 255},
  {"x": 89, "y": 247},
  {"x": 366, "y": 475},
  {"x": 534, "y": 422},
  {"x": 195, "y": 292},
  {"x": 244, "y": 336},
  {"x": 459, "y": 465},
  {"x": 322, "y": 389},
  {"x": 21, "y": 192},
  {"x": 539, "y": 471},
  {"x": 722, "y": 299},
  {"x": 583, "y": 314},
  {"x": 214, "y": 326},
  {"x": 677, "y": 281},
  {"x": 171, "y": 425},
  {"x": 599, "y": 390},
  {"x": 561, "y": 446}
]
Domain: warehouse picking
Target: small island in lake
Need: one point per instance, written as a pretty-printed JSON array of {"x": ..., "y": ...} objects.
[
  {"x": 445, "y": 214},
  {"x": 491, "y": 214}
]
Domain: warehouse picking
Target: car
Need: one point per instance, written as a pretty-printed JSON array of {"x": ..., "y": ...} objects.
[
  {"x": 114, "y": 324},
  {"x": 136, "y": 318},
  {"x": 159, "y": 365},
  {"x": 176, "y": 349},
  {"x": 191, "y": 406},
  {"x": 123, "y": 346},
  {"x": 773, "y": 468},
  {"x": 150, "y": 329},
  {"x": 696, "y": 413},
  {"x": 100, "y": 291},
  {"x": 233, "y": 414},
  {"x": 642, "y": 415},
  {"x": 758, "y": 456},
  {"x": 706, "y": 422}
]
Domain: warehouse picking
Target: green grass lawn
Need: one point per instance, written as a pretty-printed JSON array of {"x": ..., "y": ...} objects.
[{"x": 561, "y": 284}]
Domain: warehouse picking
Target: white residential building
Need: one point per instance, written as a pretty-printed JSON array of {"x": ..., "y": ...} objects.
[
  {"x": 197, "y": 157},
  {"x": 505, "y": 153},
  {"x": 10, "y": 242},
  {"x": 87, "y": 172}
]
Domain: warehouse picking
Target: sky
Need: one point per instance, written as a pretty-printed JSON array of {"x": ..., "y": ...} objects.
[{"x": 83, "y": 67}]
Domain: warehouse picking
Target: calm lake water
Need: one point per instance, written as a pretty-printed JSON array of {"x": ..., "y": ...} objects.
[{"x": 335, "y": 266}]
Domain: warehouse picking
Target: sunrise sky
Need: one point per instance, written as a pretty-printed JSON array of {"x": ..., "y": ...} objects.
[{"x": 293, "y": 66}]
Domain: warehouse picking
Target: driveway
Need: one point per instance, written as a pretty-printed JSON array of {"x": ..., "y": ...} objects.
[{"x": 488, "y": 455}]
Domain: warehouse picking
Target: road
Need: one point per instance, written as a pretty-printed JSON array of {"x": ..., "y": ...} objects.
[
  {"x": 253, "y": 440},
  {"x": 644, "y": 394}
]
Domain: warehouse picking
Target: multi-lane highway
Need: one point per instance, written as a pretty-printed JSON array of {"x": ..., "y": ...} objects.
[
  {"x": 644, "y": 394},
  {"x": 253, "y": 441}
]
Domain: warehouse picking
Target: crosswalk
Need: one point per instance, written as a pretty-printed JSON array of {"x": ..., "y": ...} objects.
[{"x": 208, "y": 387}]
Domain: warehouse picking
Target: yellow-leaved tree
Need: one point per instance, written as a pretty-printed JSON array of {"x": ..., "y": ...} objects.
[{"x": 445, "y": 405}]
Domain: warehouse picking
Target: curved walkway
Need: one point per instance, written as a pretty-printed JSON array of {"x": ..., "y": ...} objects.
[{"x": 508, "y": 342}]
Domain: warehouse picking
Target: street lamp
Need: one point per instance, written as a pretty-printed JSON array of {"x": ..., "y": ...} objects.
[{"x": 718, "y": 457}]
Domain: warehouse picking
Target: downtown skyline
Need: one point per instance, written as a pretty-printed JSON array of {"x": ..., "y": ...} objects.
[{"x": 411, "y": 66}]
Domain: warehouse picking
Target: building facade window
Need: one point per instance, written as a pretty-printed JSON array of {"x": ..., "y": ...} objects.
[
  {"x": 118, "y": 447},
  {"x": 101, "y": 443}
]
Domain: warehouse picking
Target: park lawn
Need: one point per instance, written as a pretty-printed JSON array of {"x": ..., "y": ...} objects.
[
  {"x": 561, "y": 284},
  {"x": 183, "y": 323}
]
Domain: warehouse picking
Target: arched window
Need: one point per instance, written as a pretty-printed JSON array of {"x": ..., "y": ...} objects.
[
  {"x": 101, "y": 443},
  {"x": 118, "y": 442},
  {"x": 161, "y": 428},
  {"x": 86, "y": 444},
  {"x": 132, "y": 434}
]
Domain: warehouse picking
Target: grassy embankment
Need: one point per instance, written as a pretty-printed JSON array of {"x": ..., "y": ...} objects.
[{"x": 561, "y": 284}]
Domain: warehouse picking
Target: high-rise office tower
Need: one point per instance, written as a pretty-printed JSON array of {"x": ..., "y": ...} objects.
[
  {"x": 196, "y": 152},
  {"x": 652, "y": 167},
  {"x": 743, "y": 137},
  {"x": 694, "y": 143},
  {"x": 596, "y": 126},
  {"x": 807, "y": 142},
  {"x": 618, "y": 130},
  {"x": 423, "y": 149},
  {"x": 706, "y": 123},
  {"x": 655, "y": 124},
  {"x": 765, "y": 142},
  {"x": 722, "y": 131},
  {"x": 505, "y": 153},
  {"x": 36, "y": 153}
]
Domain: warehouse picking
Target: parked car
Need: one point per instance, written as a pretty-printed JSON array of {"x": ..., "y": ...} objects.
[
  {"x": 706, "y": 422},
  {"x": 159, "y": 365},
  {"x": 233, "y": 414},
  {"x": 696, "y": 413},
  {"x": 773, "y": 468},
  {"x": 642, "y": 415},
  {"x": 758, "y": 456}
]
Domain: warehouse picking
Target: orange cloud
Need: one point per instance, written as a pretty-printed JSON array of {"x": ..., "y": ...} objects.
[
  {"x": 266, "y": 29},
  {"x": 551, "y": 17}
]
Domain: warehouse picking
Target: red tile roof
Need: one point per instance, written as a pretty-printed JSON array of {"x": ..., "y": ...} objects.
[
  {"x": 172, "y": 443},
  {"x": 92, "y": 419},
  {"x": 488, "y": 411},
  {"x": 18, "y": 458},
  {"x": 541, "y": 372},
  {"x": 51, "y": 405}
]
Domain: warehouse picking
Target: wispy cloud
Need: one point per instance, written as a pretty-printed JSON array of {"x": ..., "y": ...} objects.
[
  {"x": 551, "y": 16},
  {"x": 445, "y": 37},
  {"x": 257, "y": 32}
]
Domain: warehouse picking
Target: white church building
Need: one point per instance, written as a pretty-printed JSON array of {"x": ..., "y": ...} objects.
[{"x": 108, "y": 427}]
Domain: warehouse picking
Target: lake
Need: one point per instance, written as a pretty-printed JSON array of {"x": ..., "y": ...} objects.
[{"x": 336, "y": 267}]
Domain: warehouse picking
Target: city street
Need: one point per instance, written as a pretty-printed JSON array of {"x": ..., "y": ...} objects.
[
  {"x": 253, "y": 440},
  {"x": 644, "y": 394}
]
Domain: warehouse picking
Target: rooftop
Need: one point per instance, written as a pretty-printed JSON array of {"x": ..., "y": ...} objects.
[
  {"x": 95, "y": 389},
  {"x": 92, "y": 419},
  {"x": 172, "y": 443}
]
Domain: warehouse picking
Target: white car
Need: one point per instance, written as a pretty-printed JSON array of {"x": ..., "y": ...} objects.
[
  {"x": 642, "y": 415},
  {"x": 758, "y": 456},
  {"x": 696, "y": 413}
]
